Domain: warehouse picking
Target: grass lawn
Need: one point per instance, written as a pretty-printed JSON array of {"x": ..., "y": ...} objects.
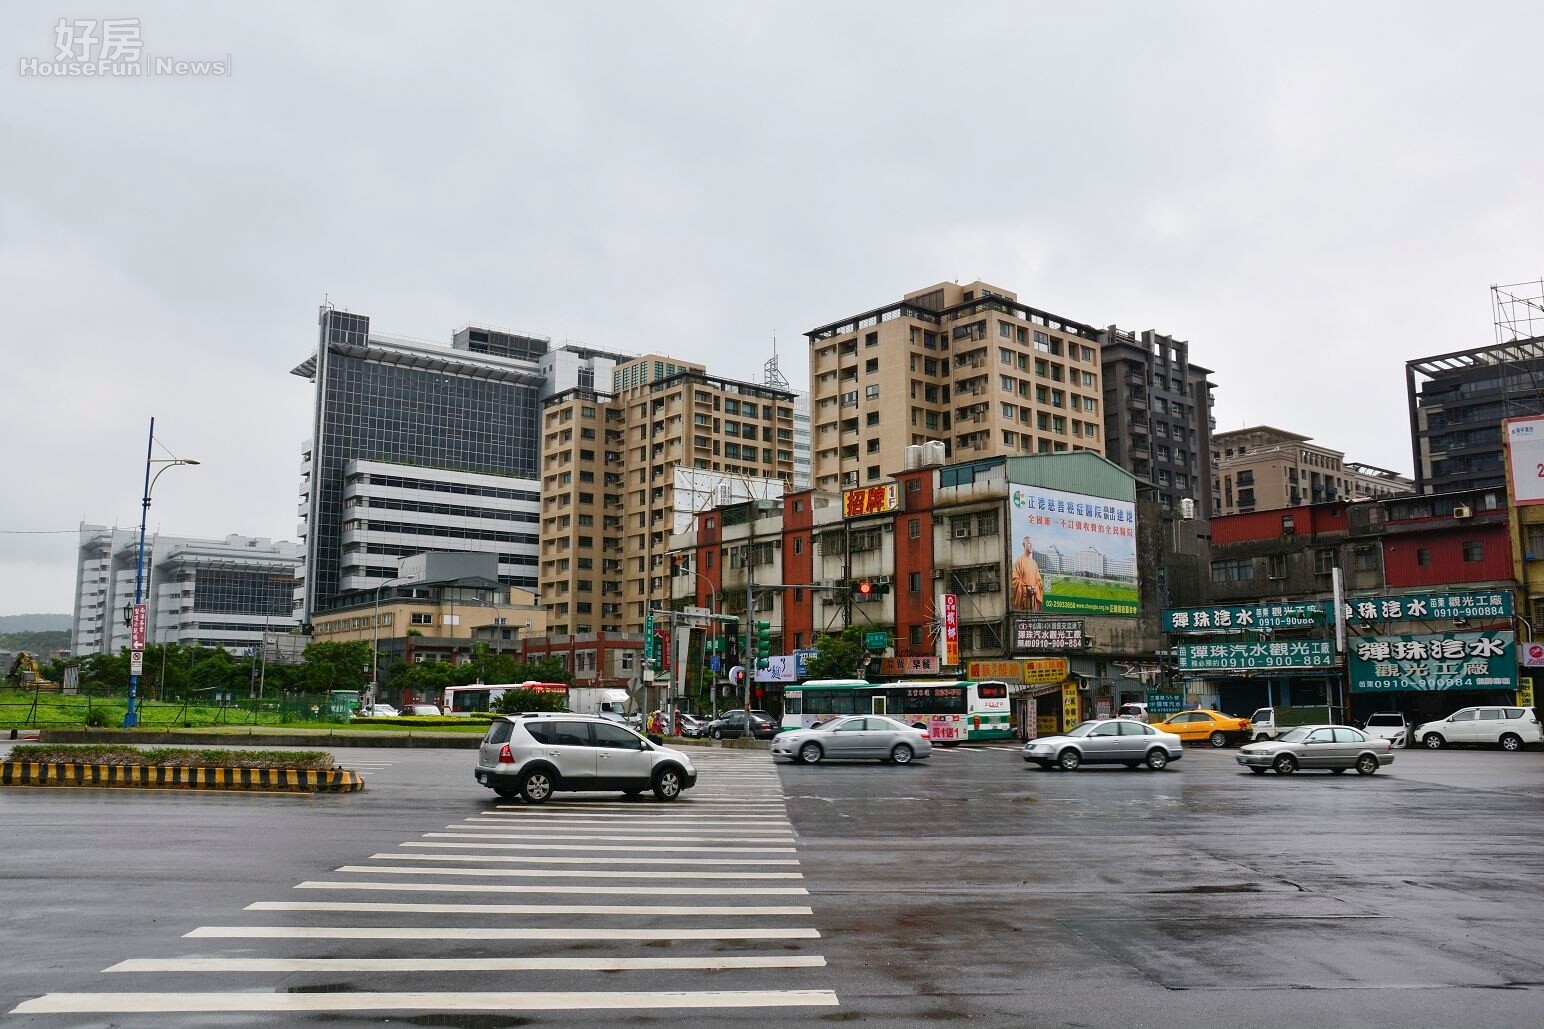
[{"x": 75, "y": 711}]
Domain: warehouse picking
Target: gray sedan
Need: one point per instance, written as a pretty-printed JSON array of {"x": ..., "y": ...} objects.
[
  {"x": 1119, "y": 741},
  {"x": 854, "y": 737},
  {"x": 1336, "y": 747}
]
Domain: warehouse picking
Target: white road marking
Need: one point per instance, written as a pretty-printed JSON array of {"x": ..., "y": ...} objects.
[
  {"x": 564, "y": 964},
  {"x": 588, "y": 848},
  {"x": 563, "y": 873},
  {"x": 553, "y": 859},
  {"x": 87, "y": 1003},
  {"x": 641, "y": 910},
  {"x": 523, "y": 932},
  {"x": 630, "y": 891},
  {"x": 487, "y": 832}
]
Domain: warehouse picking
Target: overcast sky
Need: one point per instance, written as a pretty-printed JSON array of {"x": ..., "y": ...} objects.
[{"x": 1311, "y": 194}]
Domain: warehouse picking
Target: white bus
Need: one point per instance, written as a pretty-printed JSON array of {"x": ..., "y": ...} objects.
[
  {"x": 951, "y": 710},
  {"x": 466, "y": 700}
]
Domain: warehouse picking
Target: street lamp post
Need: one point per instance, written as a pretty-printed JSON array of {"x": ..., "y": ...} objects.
[
  {"x": 498, "y": 626},
  {"x": 375, "y": 641},
  {"x": 712, "y": 610},
  {"x": 131, "y": 716}
]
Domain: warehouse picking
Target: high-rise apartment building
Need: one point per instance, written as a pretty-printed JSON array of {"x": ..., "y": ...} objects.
[
  {"x": 212, "y": 593},
  {"x": 417, "y": 447},
  {"x": 1157, "y": 415},
  {"x": 1457, "y": 402},
  {"x": 968, "y": 365},
  {"x": 1265, "y": 469},
  {"x": 622, "y": 462}
]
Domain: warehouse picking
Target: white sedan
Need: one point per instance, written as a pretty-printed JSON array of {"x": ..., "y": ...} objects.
[{"x": 379, "y": 710}]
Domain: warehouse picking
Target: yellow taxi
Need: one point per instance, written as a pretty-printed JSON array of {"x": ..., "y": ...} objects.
[{"x": 1201, "y": 726}]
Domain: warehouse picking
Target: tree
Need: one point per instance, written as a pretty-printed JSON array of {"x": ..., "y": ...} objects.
[
  {"x": 337, "y": 666},
  {"x": 837, "y": 655},
  {"x": 515, "y": 701}
]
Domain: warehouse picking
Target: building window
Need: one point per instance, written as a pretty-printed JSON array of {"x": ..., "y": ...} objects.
[
  {"x": 914, "y": 528},
  {"x": 422, "y": 619},
  {"x": 916, "y": 635},
  {"x": 1323, "y": 561},
  {"x": 1474, "y": 550},
  {"x": 1237, "y": 570},
  {"x": 1423, "y": 556},
  {"x": 1278, "y": 566},
  {"x": 914, "y": 582}
]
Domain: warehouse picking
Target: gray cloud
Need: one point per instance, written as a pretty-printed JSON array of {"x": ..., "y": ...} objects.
[{"x": 1311, "y": 196}]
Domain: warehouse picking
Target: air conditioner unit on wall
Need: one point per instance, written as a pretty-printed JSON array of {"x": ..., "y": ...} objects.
[
  {"x": 961, "y": 532},
  {"x": 1462, "y": 511}
]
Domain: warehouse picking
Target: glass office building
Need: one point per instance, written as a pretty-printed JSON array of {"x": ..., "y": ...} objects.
[{"x": 414, "y": 447}]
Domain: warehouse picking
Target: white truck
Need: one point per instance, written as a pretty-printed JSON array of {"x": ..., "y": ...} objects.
[{"x": 609, "y": 702}]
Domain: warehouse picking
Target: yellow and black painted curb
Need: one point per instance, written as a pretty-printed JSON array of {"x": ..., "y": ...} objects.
[{"x": 178, "y": 777}]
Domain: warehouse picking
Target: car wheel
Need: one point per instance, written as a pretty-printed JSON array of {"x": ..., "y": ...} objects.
[
  {"x": 1256, "y": 771},
  {"x": 1157, "y": 759},
  {"x": 1068, "y": 760},
  {"x": 717, "y": 734},
  {"x": 1433, "y": 741},
  {"x": 1511, "y": 741},
  {"x": 811, "y": 753},
  {"x": 1286, "y": 764},
  {"x": 667, "y": 784},
  {"x": 901, "y": 754},
  {"x": 1217, "y": 739},
  {"x": 536, "y": 786},
  {"x": 1365, "y": 765}
]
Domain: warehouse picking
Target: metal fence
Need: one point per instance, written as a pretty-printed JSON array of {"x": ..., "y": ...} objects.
[{"x": 103, "y": 707}]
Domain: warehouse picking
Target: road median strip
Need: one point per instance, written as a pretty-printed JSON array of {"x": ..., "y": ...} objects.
[{"x": 128, "y": 768}]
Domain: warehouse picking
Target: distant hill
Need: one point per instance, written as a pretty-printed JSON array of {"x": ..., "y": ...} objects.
[{"x": 34, "y": 623}]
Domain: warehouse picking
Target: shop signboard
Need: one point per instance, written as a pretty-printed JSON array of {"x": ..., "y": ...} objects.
[
  {"x": 1071, "y": 715},
  {"x": 1164, "y": 704},
  {"x": 1444, "y": 661},
  {"x": 951, "y": 630},
  {"x": 870, "y": 500},
  {"x": 1243, "y": 657},
  {"x": 1008, "y": 671},
  {"x": 1038, "y": 634},
  {"x": 1234, "y": 617},
  {"x": 927, "y": 665},
  {"x": 1071, "y": 554},
  {"x": 1479, "y": 604},
  {"x": 1042, "y": 670}
]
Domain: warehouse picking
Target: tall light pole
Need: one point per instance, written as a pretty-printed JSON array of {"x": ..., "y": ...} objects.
[
  {"x": 131, "y": 716},
  {"x": 498, "y": 625},
  {"x": 375, "y": 640}
]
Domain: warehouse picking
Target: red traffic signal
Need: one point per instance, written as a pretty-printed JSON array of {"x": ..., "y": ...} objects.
[{"x": 864, "y": 589}]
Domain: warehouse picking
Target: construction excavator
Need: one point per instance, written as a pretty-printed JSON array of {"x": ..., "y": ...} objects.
[{"x": 25, "y": 672}]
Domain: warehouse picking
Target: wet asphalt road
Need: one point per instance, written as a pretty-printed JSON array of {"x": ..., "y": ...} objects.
[{"x": 968, "y": 888}]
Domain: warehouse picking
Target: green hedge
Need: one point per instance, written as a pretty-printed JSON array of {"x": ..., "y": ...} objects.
[{"x": 188, "y": 757}]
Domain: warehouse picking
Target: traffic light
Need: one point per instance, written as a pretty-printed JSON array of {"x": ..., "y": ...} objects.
[
  {"x": 862, "y": 590},
  {"x": 763, "y": 644},
  {"x": 732, "y": 639}
]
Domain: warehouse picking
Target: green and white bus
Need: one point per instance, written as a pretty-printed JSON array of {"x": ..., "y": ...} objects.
[{"x": 951, "y": 710}]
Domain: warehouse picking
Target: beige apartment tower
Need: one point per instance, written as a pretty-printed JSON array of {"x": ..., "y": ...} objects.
[
  {"x": 1263, "y": 468},
  {"x": 965, "y": 364},
  {"x": 610, "y": 484}
]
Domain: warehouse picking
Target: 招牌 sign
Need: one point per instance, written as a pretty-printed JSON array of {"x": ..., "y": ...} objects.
[
  {"x": 137, "y": 628},
  {"x": 1007, "y": 670},
  {"x": 1243, "y": 657},
  {"x": 1048, "y": 634},
  {"x": 951, "y": 630},
  {"x": 1040, "y": 670},
  {"x": 1165, "y": 703},
  {"x": 1250, "y": 616},
  {"x": 1449, "y": 661},
  {"x": 870, "y": 500},
  {"x": 908, "y": 665},
  {"x": 1423, "y": 606}
]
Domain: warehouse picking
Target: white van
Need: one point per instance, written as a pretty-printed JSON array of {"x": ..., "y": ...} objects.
[
  {"x": 1134, "y": 711},
  {"x": 1510, "y": 728}
]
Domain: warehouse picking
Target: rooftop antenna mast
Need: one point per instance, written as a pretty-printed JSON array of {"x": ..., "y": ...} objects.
[{"x": 771, "y": 374}]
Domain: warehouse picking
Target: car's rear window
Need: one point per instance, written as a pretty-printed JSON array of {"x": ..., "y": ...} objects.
[
  {"x": 1384, "y": 720},
  {"x": 1514, "y": 712},
  {"x": 499, "y": 731}
]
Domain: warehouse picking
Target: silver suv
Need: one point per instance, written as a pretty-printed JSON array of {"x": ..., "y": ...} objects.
[{"x": 534, "y": 755}]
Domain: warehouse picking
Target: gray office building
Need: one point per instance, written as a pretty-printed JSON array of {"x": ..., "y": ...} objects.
[
  {"x": 1158, "y": 415},
  {"x": 1457, "y": 402},
  {"x": 417, "y": 447}
]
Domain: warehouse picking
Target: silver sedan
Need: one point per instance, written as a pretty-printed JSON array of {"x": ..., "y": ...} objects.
[
  {"x": 1336, "y": 747},
  {"x": 854, "y": 737},
  {"x": 1120, "y": 741}
]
